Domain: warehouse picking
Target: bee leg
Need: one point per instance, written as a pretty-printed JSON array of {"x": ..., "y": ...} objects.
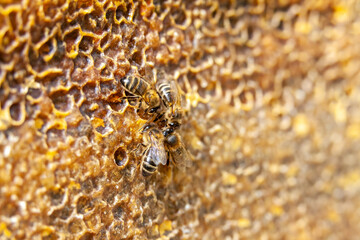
[
  {"x": 148, "y": 123},
  {"x": 168, "y": 159},
  {"x": 141, "y": 162},
  {"x": 151, "y": 110},
  {"x": 145, "y": 127},
  {"x": 142, "y": 146},
  {"x": 143, "y": 152},
  {"x": 129, "y": 97},
  {"x": 137, "y": 147},
  {"x": 147, "y": 111},
  {"x": 139, "y": 106}
]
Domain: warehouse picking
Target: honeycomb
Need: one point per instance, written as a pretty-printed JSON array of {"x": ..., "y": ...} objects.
[{"x": 272, "y": 119}]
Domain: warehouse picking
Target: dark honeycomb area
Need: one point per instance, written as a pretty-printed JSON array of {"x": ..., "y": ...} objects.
[{"x": 272, "y": 100}]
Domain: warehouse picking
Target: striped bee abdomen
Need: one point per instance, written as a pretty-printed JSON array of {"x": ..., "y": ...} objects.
[
  {"x": 135, "y": 85},
  {"x": 148, "y": 167},
  {"x": 167, "y": 94}
]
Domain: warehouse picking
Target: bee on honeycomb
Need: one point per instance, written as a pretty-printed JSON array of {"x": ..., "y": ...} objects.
[{"x": 167, "y": 118}]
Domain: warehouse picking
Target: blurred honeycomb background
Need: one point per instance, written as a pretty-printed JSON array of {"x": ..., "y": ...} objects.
[{"x": 272, "y": 93}]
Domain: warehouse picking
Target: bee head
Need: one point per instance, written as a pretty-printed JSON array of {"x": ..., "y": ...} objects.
[{"x": 172, "y": 140}]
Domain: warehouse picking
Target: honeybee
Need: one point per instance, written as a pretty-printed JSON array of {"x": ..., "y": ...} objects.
[
  {"x": 170, "y": 95},
  {"x": 177, "y": 151},
  {"x": 155, "y": 153},
  {"x": 139, "y": 87},
  {"x": 168, "y": 90}
]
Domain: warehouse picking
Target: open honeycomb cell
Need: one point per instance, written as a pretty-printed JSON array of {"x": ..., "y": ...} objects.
[{"x": 271, "y": 103}]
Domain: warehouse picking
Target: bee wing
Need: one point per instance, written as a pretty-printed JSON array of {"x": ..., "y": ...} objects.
[
  {"x": 181, "y": 158},
  {"x": 175, "y": 88},
  {"x": 157, "y": 151},
  {"x": 159, "y": 75}
]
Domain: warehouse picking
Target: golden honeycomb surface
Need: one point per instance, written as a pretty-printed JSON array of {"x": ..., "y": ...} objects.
[{"x": 272, "y": 90}]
